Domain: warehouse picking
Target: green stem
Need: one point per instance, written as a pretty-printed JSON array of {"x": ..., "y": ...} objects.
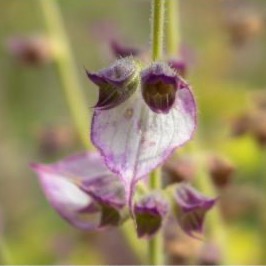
[
  {"x": 173, "y": 36},
  {"x": 157, "y": 28},
  {"x": 67, "y": 70},
  {"x": 155, "y": 245}
]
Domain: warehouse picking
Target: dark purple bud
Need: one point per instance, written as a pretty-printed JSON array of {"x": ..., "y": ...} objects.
[
  {"x": 116, "y": 83},
  {"x": 159, "y": 86},
  {"x": 178, "y": 169},
  {"x": 32, "y": 50},
  {"x": 221, "y": 170},
  {"x": 241, "y": 124},
  {"x": 123, "y": 51},
  {"x": 192, "y": 207},
  {"x": 179, "y": 66},
  {"x": 244, "y": 26},
  {"x": 53, "y": 139},
  {"x": 149, "y": 214}
]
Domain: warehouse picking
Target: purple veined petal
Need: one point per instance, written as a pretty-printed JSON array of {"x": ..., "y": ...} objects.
[
  {"x": 149, "y": 214},
  {"x": 63, "y": 184},
  {"x": 192, "y": 207},
  {"x": 134, "y": 140}
]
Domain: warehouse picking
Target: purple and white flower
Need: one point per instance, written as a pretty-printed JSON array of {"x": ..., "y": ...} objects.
[{"x": 140, "y": 121}]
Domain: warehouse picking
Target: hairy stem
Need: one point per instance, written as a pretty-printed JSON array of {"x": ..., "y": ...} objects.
[
  {"x": 157, "y": 28},
  {"x": 67, "y": 69},
  {"x": 155, "y": 245},
  {"x": 173, "y": 35}
]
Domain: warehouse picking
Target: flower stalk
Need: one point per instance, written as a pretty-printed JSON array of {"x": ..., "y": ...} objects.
[
  {"x": 158, "y": 7},
  {"x": 66, "y": 69},
  {"x": 173, "y": 38},
  {"x": 155, "y": 245}
]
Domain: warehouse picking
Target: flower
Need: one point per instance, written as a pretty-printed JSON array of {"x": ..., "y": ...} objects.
[
  {"x": 192, "y": 207},
  {"x": 120, "y": 50},
  {"x": 221, "y": 170},
  {"x": 149, "y": 213},
  {"x": 31, "y": 50},
  {"x": 179, "y": 65},
  {"x": 141, "y": 126},
  {"x": 83, "y": 191}
]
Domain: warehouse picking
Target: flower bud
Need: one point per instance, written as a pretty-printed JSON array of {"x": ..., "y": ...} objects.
[
  {"x": 122, "y": 51},
  {"x": 116, "y": 83},
  {"x": 240, "y": 125},
  {"x": 221, "y": 170},
  {"x": 53, "y": 139},
  {"x": 258, "y": 127},
  {"x": 179, "y": 66},
  {"x": 243, "y": 26},
  {"x": 149, "y": 214},
  {"x": 178, "y": 170},
  {"x": 159, "y": 86},
  {"x": 32, "y": 50},
  {"x": 191, "y": 208}
]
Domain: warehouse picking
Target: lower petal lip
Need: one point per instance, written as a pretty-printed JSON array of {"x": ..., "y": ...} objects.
[{"x": 110, "y": 123}]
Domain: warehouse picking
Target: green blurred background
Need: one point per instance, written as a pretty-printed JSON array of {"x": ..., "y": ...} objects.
[{"x": 225, "y": 74}]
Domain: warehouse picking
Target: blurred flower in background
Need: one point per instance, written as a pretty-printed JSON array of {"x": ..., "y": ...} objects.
[{"x": 31, "y": 50}]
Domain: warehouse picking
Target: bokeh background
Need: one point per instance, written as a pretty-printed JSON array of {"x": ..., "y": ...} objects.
[{"x": 225, "y": 42}]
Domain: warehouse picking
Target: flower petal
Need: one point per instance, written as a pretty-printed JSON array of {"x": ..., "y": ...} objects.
[
  {"x": 134, "y": 140},
  {"x": 72, "y": 188}
]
